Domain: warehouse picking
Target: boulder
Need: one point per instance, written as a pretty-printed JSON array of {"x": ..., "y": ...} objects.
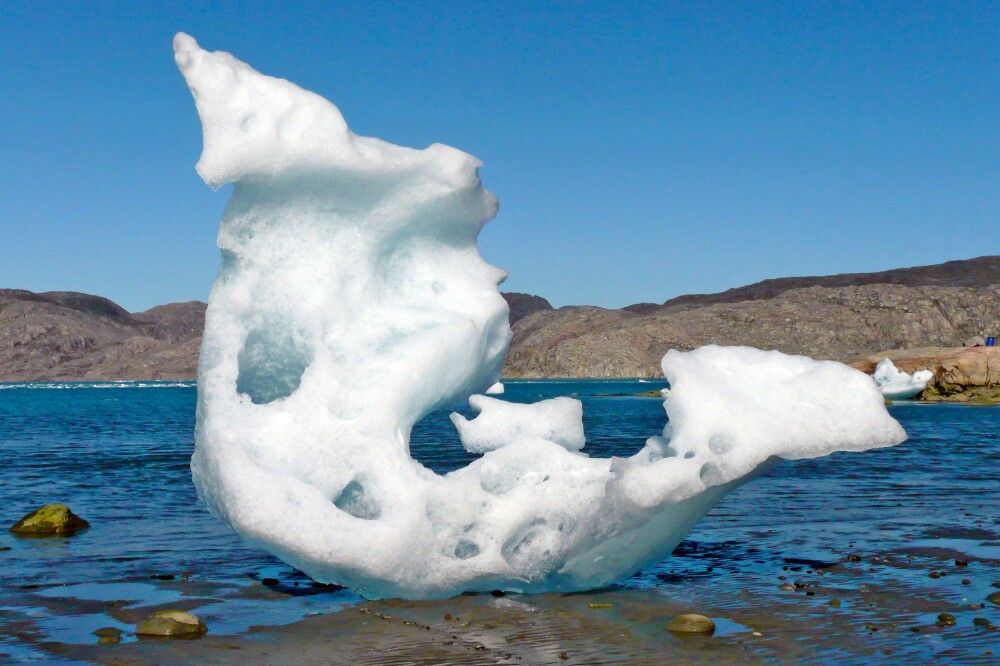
[
  {"x": 49, "y": 520},
  {"x": 171, "y": 623},
  {"x": 691, "y": 623}
]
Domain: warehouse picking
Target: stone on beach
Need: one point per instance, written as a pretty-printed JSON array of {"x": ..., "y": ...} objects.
[
  {"x": 51, "y": 519},
  {"x": 691, "y": 623},
  {"x": 173, "y": 623},
  {"x": 108, "y": 635}
]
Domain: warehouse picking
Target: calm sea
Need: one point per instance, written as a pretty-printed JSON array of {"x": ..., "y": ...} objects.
[{"x": 119, "y": 453}]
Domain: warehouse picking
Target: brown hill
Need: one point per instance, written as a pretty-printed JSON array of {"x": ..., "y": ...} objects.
[{"x": 68, "y": 335}]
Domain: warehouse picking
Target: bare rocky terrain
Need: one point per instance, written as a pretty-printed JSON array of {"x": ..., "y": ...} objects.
[{"x": 67, "y": 335}]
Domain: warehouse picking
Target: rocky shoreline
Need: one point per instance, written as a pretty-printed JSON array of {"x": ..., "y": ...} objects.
[{"x": 961, "y": 374}]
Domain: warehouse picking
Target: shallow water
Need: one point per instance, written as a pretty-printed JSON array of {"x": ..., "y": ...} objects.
[{"x": 118, "y": 454}]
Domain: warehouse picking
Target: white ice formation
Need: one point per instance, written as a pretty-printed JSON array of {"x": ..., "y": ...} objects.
[
  {"x": 352, "y": 301},
  {"x": 496, "y": 389},
  {"x": 898, "y": 385}
]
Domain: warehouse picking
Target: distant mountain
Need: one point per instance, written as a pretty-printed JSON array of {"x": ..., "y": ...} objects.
[
  {"x": 978, "y": 272},
  {"x": 834, "y": 317},
  {"x": 68, "y": 335},
  {"x": 522, "y": 305}
]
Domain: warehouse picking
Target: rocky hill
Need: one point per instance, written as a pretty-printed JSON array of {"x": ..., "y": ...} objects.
[
  {"x": 836, "y": 317},
  {"x": 67, "y": 335}
]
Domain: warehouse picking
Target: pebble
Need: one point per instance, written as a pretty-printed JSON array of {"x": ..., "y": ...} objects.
[
  {"x": 691, "y": 623},
  {"x": 980, "y": 622},
  {"x": 946, "y": 620},
  {"x": 994, "y": 598}
]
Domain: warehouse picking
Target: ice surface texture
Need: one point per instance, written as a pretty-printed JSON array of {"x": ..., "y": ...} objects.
[
  {"x": 898, "y": 385},
  {"x": 352, "y": 301}
]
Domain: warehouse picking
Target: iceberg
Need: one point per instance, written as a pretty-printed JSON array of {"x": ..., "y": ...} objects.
[
  {"x": 496, "y": 389},
  {"x": 898, "y": 385},
  {"x": 352, "y": 301}
]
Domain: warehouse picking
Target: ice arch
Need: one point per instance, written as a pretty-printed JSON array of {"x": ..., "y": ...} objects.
[{"x": 352, "y": 301}]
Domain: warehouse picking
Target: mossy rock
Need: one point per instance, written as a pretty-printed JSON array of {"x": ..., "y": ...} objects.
[
  {"x": 173, "y": 624},
  {"x": 691, "y": 623},
  {"x": 50, "y": 520}
]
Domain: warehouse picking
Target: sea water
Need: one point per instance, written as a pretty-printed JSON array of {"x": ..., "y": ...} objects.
[{"x": 118, "y": 453}]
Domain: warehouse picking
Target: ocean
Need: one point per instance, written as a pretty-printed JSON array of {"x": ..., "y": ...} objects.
[{"x": 867, "y": 530}]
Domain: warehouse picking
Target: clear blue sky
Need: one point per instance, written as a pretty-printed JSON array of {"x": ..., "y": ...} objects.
[{"x": 640, "y": 151}]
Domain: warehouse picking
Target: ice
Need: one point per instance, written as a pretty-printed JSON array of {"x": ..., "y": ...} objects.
[
  {"x": 898, "y": 385},
  {"x": 352, "y": 301},
  {"x": 558, "y": 420},
  {"x": 496, "y": 389}
]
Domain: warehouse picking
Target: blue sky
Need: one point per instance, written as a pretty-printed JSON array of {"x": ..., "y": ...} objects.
[{"x": 639, "y": 151}]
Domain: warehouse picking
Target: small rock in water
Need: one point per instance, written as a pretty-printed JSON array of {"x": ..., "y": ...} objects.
[
  {"x": 108, "y": 635},
  {"x": 994, "y": 598},
  {"x": 4, "y": 549},
  {"x": 51, "y": 519},
  {"x": 981, "y": 622},
  {"x": 961, "y": 563},
  {"x": 946, "y": 620},
  {"x": 691, "y": 623},
  {"x": 269, "y": 582},
  {"x": 497, "y": 593},
  {"x": 787, "y": 587},
  {"x": 834, "y": 603},
  {"x": 171, "y": 623}
]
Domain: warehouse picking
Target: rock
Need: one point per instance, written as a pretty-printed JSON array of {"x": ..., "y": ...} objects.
[
  {"x": 994, "y": 598},
  {"x": 961, "y": 374},
  {"x": 946, "y": 620},
  {"x": 51, "y": 519},
  {"x": 691, "y": 623},
  {"x": 173, "y": 623},
  {"x": 981, "y": 622},
  {"x": 834, "y": 603},
  {"x": 961, "y": 563},
  {"x": 108, "y": 635}
]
